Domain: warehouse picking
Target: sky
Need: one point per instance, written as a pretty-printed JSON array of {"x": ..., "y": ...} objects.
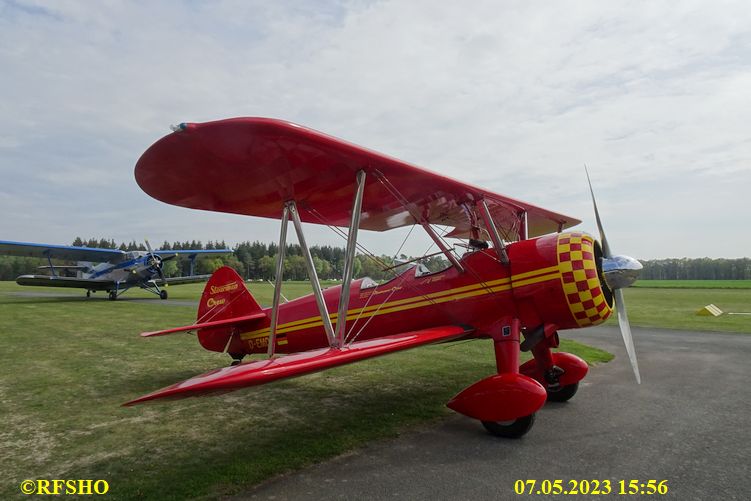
[{"x": 514, "y": 96}]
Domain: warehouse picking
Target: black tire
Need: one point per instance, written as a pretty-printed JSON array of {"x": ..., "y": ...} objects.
[
  {"x": 563, "y": 394},
  {"x": 510, "y": 429},
  {"x": 113, "y": 296},
  {"x": 88, "y": 293},
  {"x": 163, "y": 294}
]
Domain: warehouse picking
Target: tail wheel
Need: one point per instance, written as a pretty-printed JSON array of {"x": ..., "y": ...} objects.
[
  {"x": 510, "y": 429},
  {"x": 237, "y": 358},
  {"x": 563, "y": 394}
]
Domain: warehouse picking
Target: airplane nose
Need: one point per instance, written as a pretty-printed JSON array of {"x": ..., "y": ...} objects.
[{"x": 620, "y": 271}]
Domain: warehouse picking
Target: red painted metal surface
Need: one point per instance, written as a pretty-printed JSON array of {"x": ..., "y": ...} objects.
[
  {"x": 485, "y": 298},
  {"x": 502, "y": 397},
  {"x": 250, "y": 165},
  {"x": 232, "y": 321},
  {"x": 265, "y": 371}
]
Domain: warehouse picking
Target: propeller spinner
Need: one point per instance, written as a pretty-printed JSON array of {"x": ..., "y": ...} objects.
[{"x": 620, "y": 272}]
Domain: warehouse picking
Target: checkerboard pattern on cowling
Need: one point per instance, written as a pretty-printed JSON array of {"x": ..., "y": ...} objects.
[{"x": 576, "y": 260}]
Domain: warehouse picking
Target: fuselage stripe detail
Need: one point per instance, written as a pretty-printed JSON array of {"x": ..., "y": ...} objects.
[{"x": 473, "y": 290}]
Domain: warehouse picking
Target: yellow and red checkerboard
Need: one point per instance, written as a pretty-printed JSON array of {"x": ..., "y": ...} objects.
[{"x": 576, "y": 261}]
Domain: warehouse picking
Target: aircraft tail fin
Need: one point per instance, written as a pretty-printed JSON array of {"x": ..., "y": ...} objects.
[{"x": 230, "y": 307}]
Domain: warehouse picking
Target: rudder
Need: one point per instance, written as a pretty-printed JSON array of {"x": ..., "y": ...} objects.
[{"x": 225, "y": 297}]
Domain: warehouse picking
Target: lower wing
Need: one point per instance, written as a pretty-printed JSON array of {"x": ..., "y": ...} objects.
[
  {"x": 264, "y": 371},
  {"x": 73, "y": 283}
]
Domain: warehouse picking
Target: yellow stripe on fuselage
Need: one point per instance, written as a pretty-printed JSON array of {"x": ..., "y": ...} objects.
[{"x": 467, "y": 291}]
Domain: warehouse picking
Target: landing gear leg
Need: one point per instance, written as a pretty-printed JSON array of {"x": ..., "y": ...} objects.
[
  {"x": 506, "y": 344},
  {"x": 550, "y": 374}
]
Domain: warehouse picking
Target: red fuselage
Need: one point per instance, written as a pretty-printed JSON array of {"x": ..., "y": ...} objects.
[{"x": 551, "y": 280}]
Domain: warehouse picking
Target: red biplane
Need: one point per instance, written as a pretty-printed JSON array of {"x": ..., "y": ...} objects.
[{"x": 531, "y": 282}]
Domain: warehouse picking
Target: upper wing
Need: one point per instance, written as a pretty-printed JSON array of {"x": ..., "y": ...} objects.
[
  {"x": 193, "y": 252},
  {"x": 74, "y": 283},
  {"x": 265, "y": 371},
  {"x": 251, "y": 165},
  {"x": 71, "y": 253}
]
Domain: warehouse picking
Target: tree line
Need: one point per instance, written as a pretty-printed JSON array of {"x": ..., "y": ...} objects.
[
  {"x": 257, "y": 261},
  {"x": 252, "y": 260},
  {"x": 697, "y": 269}
]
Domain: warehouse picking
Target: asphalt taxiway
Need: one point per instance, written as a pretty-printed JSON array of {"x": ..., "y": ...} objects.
[{"x": 687, "y": 423}]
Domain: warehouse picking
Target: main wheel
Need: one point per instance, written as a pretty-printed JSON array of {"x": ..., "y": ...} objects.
[
  {"x": 113, "y": 295},
  {"x": 88, "y": 293},
  {"x": 163, "y": 294},
  {"x": 510, "y": 429},
  {"x": 564, "y": 393}
]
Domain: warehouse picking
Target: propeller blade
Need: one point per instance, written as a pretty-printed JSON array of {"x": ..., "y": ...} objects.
[
  {"x": 623, "y": 271},
  {"x": 148, "y": 245},
  {"x": 156, "y": 261},
  {"x": 628, "y": 340},
  {"x": 603, "y": 240}
]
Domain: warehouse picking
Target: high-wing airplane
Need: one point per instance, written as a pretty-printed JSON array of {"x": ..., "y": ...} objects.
[
  {"x": 520, "y": 281},
  {"x": 111, "y": 270}
]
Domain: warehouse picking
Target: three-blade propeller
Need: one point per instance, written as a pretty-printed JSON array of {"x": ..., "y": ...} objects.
[{"x": 620, "y": 272}]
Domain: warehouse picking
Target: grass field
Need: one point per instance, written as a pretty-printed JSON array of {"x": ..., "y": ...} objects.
[
  {"x": 68, "y": 363},
  {"x": 662, "y": 303},
  {"x": 693, "y": 284}
]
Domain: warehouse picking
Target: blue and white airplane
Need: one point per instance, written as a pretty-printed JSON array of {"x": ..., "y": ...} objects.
[{"x": 111, "y": 270}]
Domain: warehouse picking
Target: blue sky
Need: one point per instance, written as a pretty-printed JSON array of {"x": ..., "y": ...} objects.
[{"x": 514, "y": 96}]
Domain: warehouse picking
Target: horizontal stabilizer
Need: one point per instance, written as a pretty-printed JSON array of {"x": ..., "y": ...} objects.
[
  {"x": 215, "y": 323},
  {"x": 264, "y": 371}
]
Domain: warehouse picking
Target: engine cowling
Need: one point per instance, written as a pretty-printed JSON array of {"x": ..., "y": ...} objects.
[{"x": 558, "y": 279}]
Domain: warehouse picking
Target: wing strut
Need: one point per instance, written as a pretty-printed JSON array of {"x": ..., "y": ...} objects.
[
  {"x": 442, "y": 245},
  {"x": 424, "y": 222},
  {"x": 278, "y": 280},
  {"x": 524, "y": 226},
  {"x": 49, "y": 260},
  {"x": 349, "y": 258},
  {"x": 500, "y": 248},
  {"x": 292, "y": 206}
]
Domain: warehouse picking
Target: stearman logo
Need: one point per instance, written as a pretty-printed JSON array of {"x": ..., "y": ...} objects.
[
  {"x": 224, "y": 288},
  {"x": 215, "y": 302}
]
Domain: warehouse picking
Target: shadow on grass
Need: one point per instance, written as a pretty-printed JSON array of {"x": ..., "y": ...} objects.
[
  {"x": 232, "y": 456},
  {"x": 150, "y": 381}
]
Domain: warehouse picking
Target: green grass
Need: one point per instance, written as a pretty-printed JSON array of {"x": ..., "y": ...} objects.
[
  {"x": 676, "y": 308},
  {"x": 68, "y": 363},
  {"x": 693, "y": 284}
]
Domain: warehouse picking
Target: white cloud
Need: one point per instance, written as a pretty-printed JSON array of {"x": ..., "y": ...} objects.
[{"x": 515, "y": 96}]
